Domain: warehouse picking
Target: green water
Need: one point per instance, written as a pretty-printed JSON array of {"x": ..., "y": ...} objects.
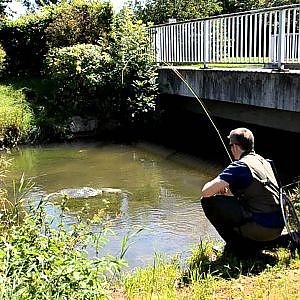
[{"x": 160, "y": 191}]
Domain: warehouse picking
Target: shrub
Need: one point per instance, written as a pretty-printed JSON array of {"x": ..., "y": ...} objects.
[
  {"x": 81, "y": 71},
  {"x": 135, "y": 70},
  {"x": 121, "y": 86},
  {"x": 28, "y": 39},
  {"x": 25, "y": 44},
  {"x": 16, "y": 117},
  {"x": 2, "y": 59},
  {"x": 80, "y": 22}
]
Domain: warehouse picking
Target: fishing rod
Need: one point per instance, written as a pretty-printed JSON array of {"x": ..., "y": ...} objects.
[{"x": 175, "y": 70}]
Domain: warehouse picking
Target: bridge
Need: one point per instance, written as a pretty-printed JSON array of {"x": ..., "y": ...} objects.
[{"x": 249, "y": 65}]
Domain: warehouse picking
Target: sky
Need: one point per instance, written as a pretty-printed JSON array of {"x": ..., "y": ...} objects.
[{"x": 19, "y": 9}]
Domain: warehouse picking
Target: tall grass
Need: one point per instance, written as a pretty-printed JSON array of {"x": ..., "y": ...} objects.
[
  {"x": 2, "y": 59},
  {"x": 16, "y": 117},
  {"x": 157, "y": 281},
  {"x": 216, "y": 275}
]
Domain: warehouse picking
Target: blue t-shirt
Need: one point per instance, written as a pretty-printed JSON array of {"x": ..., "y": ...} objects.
[{"x": 238, "y": 175}]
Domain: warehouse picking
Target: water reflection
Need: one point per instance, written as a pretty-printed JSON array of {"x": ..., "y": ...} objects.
[{"x": 160, "y": 191}]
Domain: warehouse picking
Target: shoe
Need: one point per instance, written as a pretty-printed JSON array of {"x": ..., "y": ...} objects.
[{"x": 218, "y": 249}]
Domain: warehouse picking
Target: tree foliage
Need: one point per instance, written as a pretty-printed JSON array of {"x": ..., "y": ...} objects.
[
  {"x": 32, "y": 5},
  {"x": 80, "y": 71},
  {"x": 134, "y": 69},
  {"x": 80, "y": 22},
  {"x": 3, "y": 5},
  {"x": 232, "y": 6},
  {"x": 159, "y": 11}
]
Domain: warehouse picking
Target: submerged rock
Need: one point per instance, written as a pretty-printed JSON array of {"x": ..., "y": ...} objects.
[{"x": 86, "y": 192}]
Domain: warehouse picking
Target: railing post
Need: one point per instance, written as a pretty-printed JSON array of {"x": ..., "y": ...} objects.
[
  {"x": 206, "y": 42},
  {"x": 157, "y": 34},
  {"x": 281, "y": 40}
]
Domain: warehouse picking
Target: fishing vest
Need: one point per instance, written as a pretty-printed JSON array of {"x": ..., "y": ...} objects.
[{"x": 258, "y": 197}]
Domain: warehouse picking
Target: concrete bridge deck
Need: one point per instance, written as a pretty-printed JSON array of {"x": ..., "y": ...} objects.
[{"x": 258, "y": 96}]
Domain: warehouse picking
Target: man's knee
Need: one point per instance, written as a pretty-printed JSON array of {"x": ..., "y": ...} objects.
[
  {"x": 213, "y": 202},
  {"x": 225, "y": 209},
  {"x": 205, "y": 201},
  {"x": 208, "y": 205},
  {"x": 212, "y": 206}
]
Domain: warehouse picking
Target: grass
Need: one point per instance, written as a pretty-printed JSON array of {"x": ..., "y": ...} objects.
[
  {"x": 209, "y": 274},
  {"x": 271, "y": 275},
  {"x": 42, "y": 87},
  {"x": 16, "y": 117},
  {"x": 42, "y": 119}
]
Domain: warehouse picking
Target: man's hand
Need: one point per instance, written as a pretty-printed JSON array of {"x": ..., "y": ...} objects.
[{"x": 216, "y": 186}]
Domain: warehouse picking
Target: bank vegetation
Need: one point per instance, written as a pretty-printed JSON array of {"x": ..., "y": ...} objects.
[{"x": 77, "y": 59}]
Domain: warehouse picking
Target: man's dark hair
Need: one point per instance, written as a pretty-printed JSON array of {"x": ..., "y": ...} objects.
[{"x": 243, "y": 137}]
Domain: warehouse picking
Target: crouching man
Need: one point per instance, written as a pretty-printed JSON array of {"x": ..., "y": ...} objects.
[{"x": 239, "y": 203}]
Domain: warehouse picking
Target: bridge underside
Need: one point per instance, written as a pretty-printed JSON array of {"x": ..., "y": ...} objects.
[
  {"x": 261, "y": 98},
  {"x": 284, "y": 120}
]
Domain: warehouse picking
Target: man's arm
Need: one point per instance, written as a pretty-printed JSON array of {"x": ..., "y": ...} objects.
[{"x": 215, "y": 187}]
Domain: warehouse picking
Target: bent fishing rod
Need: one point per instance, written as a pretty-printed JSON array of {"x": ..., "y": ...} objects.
[{"x": 175, "y": 70}]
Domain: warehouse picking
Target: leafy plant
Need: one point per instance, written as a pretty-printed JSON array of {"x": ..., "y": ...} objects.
[
  {"x": 27, "y": 39},
  {"x": 81, "y": 71},
  {"x": 295, "y": 196},
  {"x": 80, "y": 22},
  {"x": 134, "y": 69},
  {"x": 159, "y": 11},
  {"x": 2, "y": 59},
  {"x": 16, "y": 117},
  {"x": 40, "y": 261}
]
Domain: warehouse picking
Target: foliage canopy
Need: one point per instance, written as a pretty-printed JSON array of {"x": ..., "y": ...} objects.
[{"x": 159, "y": 11}]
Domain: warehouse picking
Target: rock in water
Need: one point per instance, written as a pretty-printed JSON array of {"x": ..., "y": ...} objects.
[
  {"x": 86, "y": 192},
  {"x": 111, "y": 191}
]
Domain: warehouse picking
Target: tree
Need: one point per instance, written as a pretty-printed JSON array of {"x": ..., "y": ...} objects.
[
  {"x": 3, "y": 4},
  {"x": 232, "y": 6},
  {"x": 32, "y": 5},
  {"x": 159, "y": 11}
]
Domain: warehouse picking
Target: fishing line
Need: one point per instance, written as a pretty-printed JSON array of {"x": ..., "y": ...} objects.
[
  {"x": 191, "y": 90},
  {"x": 202, "y": 105}
]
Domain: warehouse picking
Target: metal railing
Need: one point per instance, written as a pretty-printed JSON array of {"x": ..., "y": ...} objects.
[{"x": 267, "y": 36}]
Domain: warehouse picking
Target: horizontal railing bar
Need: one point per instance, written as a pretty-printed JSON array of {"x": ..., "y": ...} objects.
[
  {"x": 259, "y": 36},
  {"x": 249, "y": 12}
]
